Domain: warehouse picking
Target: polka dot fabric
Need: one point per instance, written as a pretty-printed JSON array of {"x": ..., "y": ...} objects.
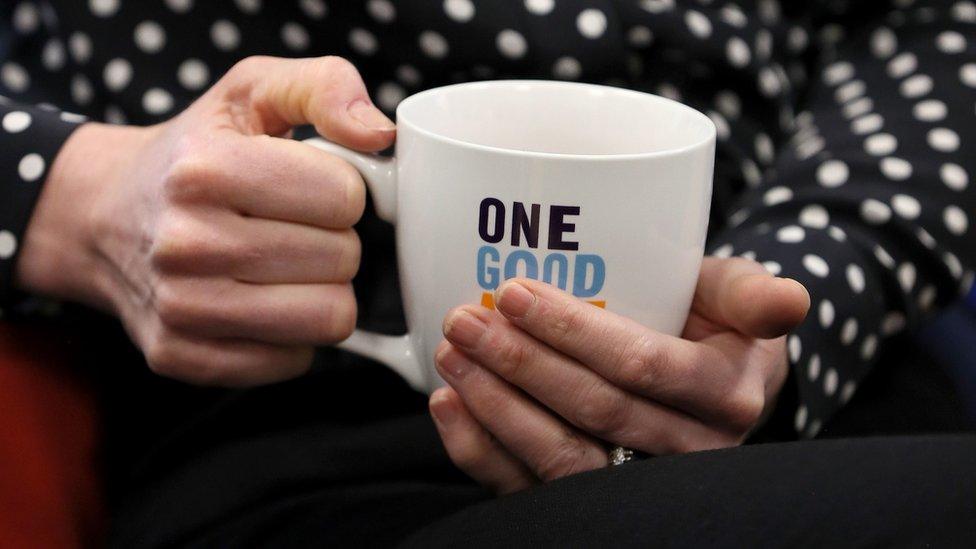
[
  {"x": 29, "y": 141},
  {"x": 846, "y": 133},
  {"x": 868, "y": 201}
]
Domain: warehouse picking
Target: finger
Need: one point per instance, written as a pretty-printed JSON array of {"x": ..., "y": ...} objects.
[
  {"x": 765, "y": 360},
  {"x": 548, "y": 447},
  {"x": 326, "y": 92},
  {"x": 473, "y": 449},
  {"x": 584, "y": 397},
  {"x": 272, "y": 178},
  {"x": 247, "y": 249},
  {"x": 681, "y": 374},
  {"x": 224, "y": 362},
  {"x": 284, "y": 314},
  {"x": 740, "y": 293}
]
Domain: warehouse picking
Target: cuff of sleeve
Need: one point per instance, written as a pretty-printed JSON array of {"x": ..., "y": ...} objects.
[
  {"x": 837, "y": 344},
  {"x": 30, "y": 139}
]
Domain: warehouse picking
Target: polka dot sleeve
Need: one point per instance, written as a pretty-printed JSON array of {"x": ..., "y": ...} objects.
[
  {"x": 29, "y": 140},
  {"x": 845, "y": 129},
  {"x": 869, "y": 201},
  {"x": 844, "y": 150},
  {"x": 31, "y": 63},
  {"x": 33, "y": 78}
]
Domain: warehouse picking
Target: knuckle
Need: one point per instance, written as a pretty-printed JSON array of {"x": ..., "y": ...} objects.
[
  {"x": 170, "y": 247},
  {"x": 512, "y": 356},
  {"x": 175, "y": 244},
  {"x": 333, "y": 74},
  {"x": 743, "y": 408},
  {"x": 680, "y": 445},
  {"x": 162, "y": 356},
  {"x": 340, "y": 318},
  {"x": 253, "y": 64},
  {"x": 159, "y": 358},
  {"x": 231, "y": 254},
  {"x": 190, "y": 174},
  {"x": 687, "y": 445},
  {"x": 568, "y": 457},
  {"x": 639, "y": 363},
  {"x": 171, "y": 304},
  {"x": 488, "y": 402},
  {"x": 441, "y": 352},
  {"x": 567, "y": 322},
  {"x": 743, "y": 264},
  {"x": 602, "y": 410},
  {"x": 347, "y": 256},
  {"x": 351, "y": 194},
  {"x": 467, "y": 457},
  {"x": 182, "y": 244},
  {"x": 335, "y": 64}
]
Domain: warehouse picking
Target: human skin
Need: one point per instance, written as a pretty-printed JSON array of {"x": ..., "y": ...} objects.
[
  {"x": 225, "y": 248},
  {"x": 540, "y": 387},
  {"x": 227, "y": 251}
]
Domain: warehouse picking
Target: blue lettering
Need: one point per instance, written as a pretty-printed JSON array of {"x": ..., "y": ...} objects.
[
  {"x": 583, "y": 261},
  {"x": 561, "y": 264},
  {"x": 488, "y": 276},
  {"x": 531, "y": 264}
]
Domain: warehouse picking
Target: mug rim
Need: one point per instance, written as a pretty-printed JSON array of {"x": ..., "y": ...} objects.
[{"x": 404, "y": 121}]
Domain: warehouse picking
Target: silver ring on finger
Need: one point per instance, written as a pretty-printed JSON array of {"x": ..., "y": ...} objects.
[{"x": 620, "y": 455}]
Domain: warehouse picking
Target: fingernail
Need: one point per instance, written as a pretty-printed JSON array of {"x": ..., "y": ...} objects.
[
  {"x": 370, "y": 117},
  {"x": 464, "y": 329},
  {"x": 514, "y": 299},
  {"x": 440, "y": 408},
  {"x": 452, "y": 364}
]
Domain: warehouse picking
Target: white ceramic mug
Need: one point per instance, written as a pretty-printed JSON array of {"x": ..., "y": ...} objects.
[{"x": 601, "y": 191}]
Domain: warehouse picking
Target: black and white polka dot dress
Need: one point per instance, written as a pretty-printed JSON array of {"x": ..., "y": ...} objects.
[{"x": 846, "y": 128}]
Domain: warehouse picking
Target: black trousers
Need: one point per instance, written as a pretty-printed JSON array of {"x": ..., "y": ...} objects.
[
  {"x": 347, "y": 456},
  {"x": 873, "y": 492}
]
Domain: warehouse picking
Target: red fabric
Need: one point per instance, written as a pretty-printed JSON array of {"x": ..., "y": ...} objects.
[{"x": 49, "y": 489}]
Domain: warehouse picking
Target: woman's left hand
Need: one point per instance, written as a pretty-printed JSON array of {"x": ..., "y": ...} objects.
[{"x": 540, "y": 387}]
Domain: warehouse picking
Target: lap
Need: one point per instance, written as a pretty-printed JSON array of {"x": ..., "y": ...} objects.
[
  {"x": 861, "y": 486},
  {"x": 890, "y": 491},
  {"x": 329, "y": 463},
  {"x": 315, "y": 485}
]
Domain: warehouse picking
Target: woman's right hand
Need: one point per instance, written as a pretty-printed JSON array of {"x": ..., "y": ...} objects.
[{"x": 225, "y": 248}]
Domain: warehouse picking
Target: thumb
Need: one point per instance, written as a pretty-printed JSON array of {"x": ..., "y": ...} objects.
[
  {"x": 741, "y": 294},
  {"x": 326, "y": 92}
]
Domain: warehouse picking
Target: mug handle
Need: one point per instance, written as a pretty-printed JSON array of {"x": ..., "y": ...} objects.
[{"x": 396, "y": 352}]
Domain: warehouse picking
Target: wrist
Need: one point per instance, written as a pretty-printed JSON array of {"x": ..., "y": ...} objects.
[{"x": 58, "y": 257}]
